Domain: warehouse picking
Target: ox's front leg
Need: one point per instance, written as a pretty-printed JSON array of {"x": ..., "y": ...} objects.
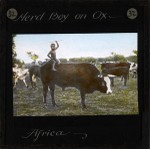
[
  {"x": 52, "y": 89},
  {"x": 82, "y": 93},
  {"x": 31, "y": 81},
  {"x": 121, "y": 78},
  {"x": 45, "y": 89}
]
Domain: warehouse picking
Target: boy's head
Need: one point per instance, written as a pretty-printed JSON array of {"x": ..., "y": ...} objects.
[{"x": 53, "y": 46}]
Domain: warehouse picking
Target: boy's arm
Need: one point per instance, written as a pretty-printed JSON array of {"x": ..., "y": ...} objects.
[
  {"x": 57, "y": 45},
  {"x": 49, "y": 54}
]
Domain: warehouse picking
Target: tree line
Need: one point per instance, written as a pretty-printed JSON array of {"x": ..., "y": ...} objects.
[{"x": 114, "y": 57}]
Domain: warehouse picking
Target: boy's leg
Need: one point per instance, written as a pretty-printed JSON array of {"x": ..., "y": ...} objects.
[
  {"x": 57, "y": 61},
  {"x": 53, "y": 66}
]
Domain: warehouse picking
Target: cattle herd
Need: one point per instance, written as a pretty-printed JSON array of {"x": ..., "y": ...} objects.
[{"x": 85, "y": 77}]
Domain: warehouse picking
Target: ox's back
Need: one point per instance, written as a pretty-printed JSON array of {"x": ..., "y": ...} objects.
[
  {"x": 70, "y": 69},
  {"x": 79, "y": 69},
  {"x": 118, "y": 71},
  {"x": 110, "y": 65}
]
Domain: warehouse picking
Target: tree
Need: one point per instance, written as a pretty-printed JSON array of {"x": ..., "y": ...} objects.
[
  {"x": 135, "y": 52},
  {"x": 33, "y": 56},
  {"x": 14, "y": 54},
  {"x": 117, "y": 57},
  {"x": 63, "y": 60},
  {"x": 133, "y": 58},
  {"x": 83, "y": 59}
]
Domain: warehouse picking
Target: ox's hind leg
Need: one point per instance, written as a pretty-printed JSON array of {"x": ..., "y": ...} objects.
[
  {"x": 34, "y": 81},
  {"x": 112, "y": 81},
  {"x": 82, "y": 93},
  {"x": 125, "y": 79},
  {"x": 16, "y": 81},
  {"x": 25, "y": 83},
  {"x": 31, "y": 79}
]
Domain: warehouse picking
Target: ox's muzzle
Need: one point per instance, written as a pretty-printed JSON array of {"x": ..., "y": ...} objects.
[{"x": 109, "y": 91}]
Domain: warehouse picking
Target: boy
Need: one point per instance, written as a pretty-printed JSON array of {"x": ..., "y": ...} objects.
[{"x": 52, "y": 54}]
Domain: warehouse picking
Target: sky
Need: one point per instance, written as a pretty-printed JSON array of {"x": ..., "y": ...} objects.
[{"x": 75, "y": 45}]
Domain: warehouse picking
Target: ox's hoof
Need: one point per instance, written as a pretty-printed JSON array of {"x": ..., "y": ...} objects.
[
  {"x": 45, "y": 106},
  {"x": 84, "y": 107},
  {"x": 55, "y": 105}
]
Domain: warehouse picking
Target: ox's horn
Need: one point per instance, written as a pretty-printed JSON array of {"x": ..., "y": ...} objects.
[{"x": 100, "y": 76}]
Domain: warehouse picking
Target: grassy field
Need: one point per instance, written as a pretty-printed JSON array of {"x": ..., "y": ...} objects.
[{"x": 123, "y": 100}]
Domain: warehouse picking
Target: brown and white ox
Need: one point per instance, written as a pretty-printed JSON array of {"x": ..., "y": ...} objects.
[
  {"x": 117, "y": 69},
  {"x": 83, "y": 76}
]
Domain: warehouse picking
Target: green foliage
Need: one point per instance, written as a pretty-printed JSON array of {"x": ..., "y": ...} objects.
[
  {"x": 101, "y": 59},
  {"x": 19, "y": 62},
  {"x": 84, "y": 59},
  {"x": 13, "y": 46},
  {"x": 33, "y": 56},
  {"x": 63, "y": 60},
  {"x": 14, "y": 54},
  {"x": 132, "y": 58},
  {"x": 117, "y": 57},
  {"x": 135, "y": 52}
]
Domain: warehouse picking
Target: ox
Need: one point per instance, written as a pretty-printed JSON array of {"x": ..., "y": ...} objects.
[
  {"x": 34, "y": 73},
  {"x": 83, "y": 76},
  {"x": 117, "y": 69},
  {"x": 20, "y": 74},
  {"x": 133, "y": 70}
]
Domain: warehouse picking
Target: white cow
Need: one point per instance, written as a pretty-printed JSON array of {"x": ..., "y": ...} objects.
[
  {"x": 20, "y": 74},
  {"x": 133, "y": 69}
]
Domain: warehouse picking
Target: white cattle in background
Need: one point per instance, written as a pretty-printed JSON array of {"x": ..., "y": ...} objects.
[
  {"x": 133, "y": 69},
  {"x": 20, "y": 74}
]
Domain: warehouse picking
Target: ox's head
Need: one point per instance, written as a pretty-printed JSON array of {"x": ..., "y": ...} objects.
[
  {"x": 133, "y": 68},
  {"x": 105, "y": 84}
]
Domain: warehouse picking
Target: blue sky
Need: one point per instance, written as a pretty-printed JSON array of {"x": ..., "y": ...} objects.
[{"x": 75, "y": 45}]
